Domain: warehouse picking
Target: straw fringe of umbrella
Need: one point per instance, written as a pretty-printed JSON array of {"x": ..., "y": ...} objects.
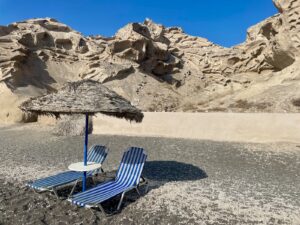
[{"x": 83, "y": 97}]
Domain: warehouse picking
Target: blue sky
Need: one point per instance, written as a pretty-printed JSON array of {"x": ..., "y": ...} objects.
[{"x": 222, "y": 21}]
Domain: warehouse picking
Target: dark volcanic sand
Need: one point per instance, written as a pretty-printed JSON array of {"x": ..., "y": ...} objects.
[{"x": 191, "y": 182}]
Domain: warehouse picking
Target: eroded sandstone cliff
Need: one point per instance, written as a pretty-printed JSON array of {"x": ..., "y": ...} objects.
[{"x": 157, "y": 68}]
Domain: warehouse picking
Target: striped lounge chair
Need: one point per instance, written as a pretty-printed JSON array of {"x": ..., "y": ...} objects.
[
  {"x": 96, "y": 153},
  {"x": 128, "y": 177}
]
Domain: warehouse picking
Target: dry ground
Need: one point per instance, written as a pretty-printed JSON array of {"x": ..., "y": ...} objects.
[{"x": 191, "y": 181}]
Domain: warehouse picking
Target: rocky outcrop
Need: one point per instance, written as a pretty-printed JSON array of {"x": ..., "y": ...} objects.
[
  {"x": 156, "y": 67},
  {"x": 145, "y": 45}
]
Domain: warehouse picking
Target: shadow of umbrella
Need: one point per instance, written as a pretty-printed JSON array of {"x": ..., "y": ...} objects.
[{"x": 161, "y": 172}]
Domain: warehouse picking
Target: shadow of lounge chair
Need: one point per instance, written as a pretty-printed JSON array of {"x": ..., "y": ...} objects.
[{"x": 168, "y": 171}]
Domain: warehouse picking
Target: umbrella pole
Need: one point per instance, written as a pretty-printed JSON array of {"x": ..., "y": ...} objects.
[{"x": 85, "y": 150}]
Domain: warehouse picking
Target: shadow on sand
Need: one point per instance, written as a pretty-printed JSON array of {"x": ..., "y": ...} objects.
[{"x": 168, "y": 171}]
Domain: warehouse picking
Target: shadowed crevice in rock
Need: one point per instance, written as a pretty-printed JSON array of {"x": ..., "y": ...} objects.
[{"x": 32, "y": 71}]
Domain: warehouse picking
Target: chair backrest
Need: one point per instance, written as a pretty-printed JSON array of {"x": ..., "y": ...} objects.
[
  {"x": 97, "y": 154},
  {"x": 131, "y": 167}
]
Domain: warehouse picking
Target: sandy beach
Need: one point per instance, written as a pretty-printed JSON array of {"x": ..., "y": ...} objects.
[{"x": 191, "y": 181}]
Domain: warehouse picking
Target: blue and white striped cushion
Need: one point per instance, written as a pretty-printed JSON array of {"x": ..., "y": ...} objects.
[
  {"x": 55, "y": 180},
  {"x": 128, "y": 175},
  {"x": 96, "y": 154}
]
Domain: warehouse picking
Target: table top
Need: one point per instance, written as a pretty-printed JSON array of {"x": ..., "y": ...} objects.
[{"x": 79, "y": 166}]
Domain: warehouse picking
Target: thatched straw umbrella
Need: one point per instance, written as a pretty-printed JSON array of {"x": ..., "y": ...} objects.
[{"x": 83, "y": 97}]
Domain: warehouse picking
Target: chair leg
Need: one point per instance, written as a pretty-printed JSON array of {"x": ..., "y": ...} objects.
[
  {"x": 55, "y": 193},
  {"x": 73, "y": 189},
  {"x": 145, "y": 182},
  {"x": 93, "y": 180},
  {"x": 101, "y": 209},
  {"x": 121, "y": 201},
  {"x": 137, "y": 190},
  {"x": 147, "y": 187},
  {"x": 98, "y": 171}
]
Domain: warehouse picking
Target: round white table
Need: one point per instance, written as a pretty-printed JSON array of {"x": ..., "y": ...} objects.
[{"x": 79, "y": 166}]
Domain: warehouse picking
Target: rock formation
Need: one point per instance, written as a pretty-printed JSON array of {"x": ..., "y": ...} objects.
[{"x": 157, "y": 68}]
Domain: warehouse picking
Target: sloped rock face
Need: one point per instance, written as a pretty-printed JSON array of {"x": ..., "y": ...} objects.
[
  {"x": 291, "y": 23},
  {"x": 157, "y": 68}
]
